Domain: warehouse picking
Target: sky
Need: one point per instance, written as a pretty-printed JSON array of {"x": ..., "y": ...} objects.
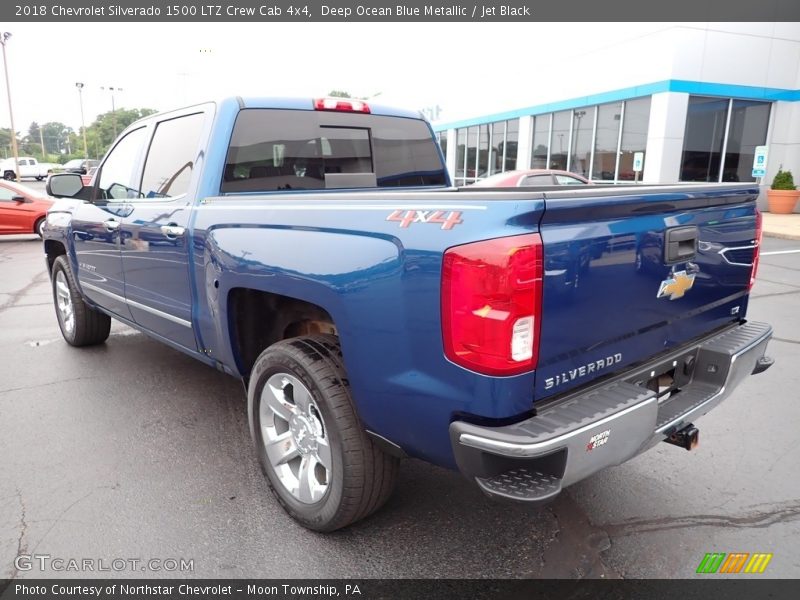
[{"x": 467, "y": 69}]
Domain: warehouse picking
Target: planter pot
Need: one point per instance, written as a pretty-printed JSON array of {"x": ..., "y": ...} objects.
[{"x": 782, "y": 202}]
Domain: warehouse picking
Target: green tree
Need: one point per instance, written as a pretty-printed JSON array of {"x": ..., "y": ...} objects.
[{"x": 5, "y": 143}]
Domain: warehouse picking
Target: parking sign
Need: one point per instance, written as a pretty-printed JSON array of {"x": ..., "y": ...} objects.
[
  {"x": 638, "y": 161},
  {"x": 760, "y": 162}
]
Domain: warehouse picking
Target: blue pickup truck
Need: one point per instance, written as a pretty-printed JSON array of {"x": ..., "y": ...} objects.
[{"x": 315, "y": 249}]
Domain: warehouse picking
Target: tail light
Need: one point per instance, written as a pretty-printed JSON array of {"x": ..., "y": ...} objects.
[
  {"x": 492, "y": 304},
  {"x": 757, "y": 249},
  {"x": 341, "y": 105}
]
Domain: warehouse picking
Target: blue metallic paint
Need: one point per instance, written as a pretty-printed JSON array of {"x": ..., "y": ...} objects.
[{"x": 381, "y": 282}]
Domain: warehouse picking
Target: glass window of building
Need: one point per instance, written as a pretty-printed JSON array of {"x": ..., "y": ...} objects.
[
  {"x": 748, "y": 129},
  {"x": 472, "y": 155},
  {"x": 443, "y": 142},
  {"x": 605, "y": 141},
  {"x": 634, "y": 135},
  {"x": 461, "y": 155},
  {"x": 483, "y": 150},
  {"x": 581, "y": 154},
  {"x": 510, "y": 144},
  {"x": 703, "y": 139},
  {"x": 541, "y": 141},
  {"x": 496, "y": 149},
  {"x": 560, "y": 140}
]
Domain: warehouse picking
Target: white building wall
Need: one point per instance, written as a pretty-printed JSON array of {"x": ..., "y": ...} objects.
[
  {"x": 662, "y": 159},
  {"x": 524, "y": 142}
]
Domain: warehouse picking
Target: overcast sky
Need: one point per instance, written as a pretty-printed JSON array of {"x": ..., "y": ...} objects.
[{"x": 468, "y": 69}]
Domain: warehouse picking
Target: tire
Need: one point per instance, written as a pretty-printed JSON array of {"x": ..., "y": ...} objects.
[
  {"x": 38, "y": 227},
  {"x": 9, "y": 176},
  {"x": 39, "y": 178},
  {"x": 80, "y": 324},
  {"x": 322, "y": 467}
]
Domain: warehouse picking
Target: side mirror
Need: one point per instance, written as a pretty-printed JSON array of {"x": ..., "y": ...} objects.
[{"x": 64, "y": 185}]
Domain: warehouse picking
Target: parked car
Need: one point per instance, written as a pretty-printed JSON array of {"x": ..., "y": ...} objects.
[
  {"x": 87, "y": 178},
  {"x": 532, "y": 177},
  {"x": 28, "y": 167},
  {"x": 22, "y": 210},
  {"x": 79, "y": 165}
]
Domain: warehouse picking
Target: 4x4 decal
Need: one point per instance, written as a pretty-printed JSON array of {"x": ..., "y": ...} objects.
[{"x": 407, "y": 217}]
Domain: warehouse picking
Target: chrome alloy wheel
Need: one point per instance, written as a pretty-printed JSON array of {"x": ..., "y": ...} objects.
[
  {"x": 295, "y": 438},
  {"x": 64, "y": 302}
]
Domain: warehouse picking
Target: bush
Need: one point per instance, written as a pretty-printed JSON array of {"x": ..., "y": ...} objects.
[{"x": 783, "y": 181}]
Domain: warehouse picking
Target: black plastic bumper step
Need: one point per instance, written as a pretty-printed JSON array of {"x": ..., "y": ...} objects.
[{"x": 521, "y": 484}]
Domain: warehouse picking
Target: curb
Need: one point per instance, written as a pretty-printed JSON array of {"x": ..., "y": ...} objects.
[{"x": 782, "y": 236}]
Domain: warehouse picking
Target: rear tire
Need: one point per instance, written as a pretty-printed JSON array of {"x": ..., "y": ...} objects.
[
  {"x": 321, "y": 465},
  {"x": 80, "y": 324}
]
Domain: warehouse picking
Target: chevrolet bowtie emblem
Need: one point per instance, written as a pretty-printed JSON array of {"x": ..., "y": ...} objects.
[{"x": 676, "y": 285}]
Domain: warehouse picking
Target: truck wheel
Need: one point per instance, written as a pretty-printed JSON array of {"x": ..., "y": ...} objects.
[
  {"x": 80, "y": 324},
  {"x": 312, "y": 447},
  {"x": 9, "y": 176}
]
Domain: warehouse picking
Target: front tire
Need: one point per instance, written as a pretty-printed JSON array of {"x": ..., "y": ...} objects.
[
  {"x": 38, "y": 227},
  {"x": 320, "y": 464},
  {"x": 9, "y": 176},
  {"x": 80, "y": 324}
]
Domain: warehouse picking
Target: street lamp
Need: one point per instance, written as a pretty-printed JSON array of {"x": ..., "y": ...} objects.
[
  {"x": 3, "y": 40},
  {"x": 113, "y": 108},
  {"x": 79, "y": 85}
]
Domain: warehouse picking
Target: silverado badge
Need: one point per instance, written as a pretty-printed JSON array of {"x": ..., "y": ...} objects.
[{"x": 676, "y": 285}]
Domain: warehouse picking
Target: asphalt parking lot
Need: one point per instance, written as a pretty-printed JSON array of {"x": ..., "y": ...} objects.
[{"x": 133, "y": 450}]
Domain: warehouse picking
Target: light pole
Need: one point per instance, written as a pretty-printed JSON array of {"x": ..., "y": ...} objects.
[
  {"x": 79, "y": 85},
  {"x": 113, "y": 108},
  {"x": 3, "y": 40}
]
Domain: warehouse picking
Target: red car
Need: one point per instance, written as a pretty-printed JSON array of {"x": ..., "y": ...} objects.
[
  {"x": 22, "y": 210},
  {"x": 532, "y": 177}
]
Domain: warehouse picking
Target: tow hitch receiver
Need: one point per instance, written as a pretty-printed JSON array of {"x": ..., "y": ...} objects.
[{"x": 688, "y": 437}]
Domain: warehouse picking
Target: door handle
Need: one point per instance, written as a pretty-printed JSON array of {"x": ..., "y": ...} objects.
[
  {"x": 680, "y": 244},
  {"x": 111, "y": 225},
  {"x": 172, "y": 231}
]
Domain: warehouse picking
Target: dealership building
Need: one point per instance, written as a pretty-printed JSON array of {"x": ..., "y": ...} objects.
[{"x": 688, "y": 103}]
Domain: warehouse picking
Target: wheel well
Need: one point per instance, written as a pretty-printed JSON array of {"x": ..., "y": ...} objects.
[
  {"x": 53, "y": 250},
  {"x": 259, "y": 319}
]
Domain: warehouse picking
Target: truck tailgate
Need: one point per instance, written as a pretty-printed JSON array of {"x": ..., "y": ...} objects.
[{"x": 632, "y": 274}]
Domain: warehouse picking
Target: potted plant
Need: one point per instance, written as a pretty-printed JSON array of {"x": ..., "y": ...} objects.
[{"x": 783, "y": 195}]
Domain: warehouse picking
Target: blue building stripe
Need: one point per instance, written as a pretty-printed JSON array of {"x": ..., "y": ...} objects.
[{"x": 699, "y": 88}]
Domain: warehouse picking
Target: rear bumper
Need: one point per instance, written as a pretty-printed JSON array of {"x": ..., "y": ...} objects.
[{"x": 607, "y": 424}]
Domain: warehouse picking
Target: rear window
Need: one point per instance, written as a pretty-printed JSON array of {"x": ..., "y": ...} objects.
[{"x": 275, "y": 150}]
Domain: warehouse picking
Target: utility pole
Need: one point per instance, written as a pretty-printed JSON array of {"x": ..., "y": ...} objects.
[
  {"x": 79, "y": 85},
  {"x": 4, "y": 40},
  {"x": 113, "y": 108}
]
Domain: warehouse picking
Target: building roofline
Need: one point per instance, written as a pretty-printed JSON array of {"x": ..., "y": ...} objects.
[{"x": 700, "y": 88}]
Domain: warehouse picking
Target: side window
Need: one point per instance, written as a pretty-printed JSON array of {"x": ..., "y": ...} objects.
[
  {"x": 545, "y": 179},
  {"x": 6, "y": 195},
  {"x": 170, "y": 160},
  {"x": 567, "y": 180},
  {"x": 23, "y": 162},
  {"x": 118, "y": 173}
]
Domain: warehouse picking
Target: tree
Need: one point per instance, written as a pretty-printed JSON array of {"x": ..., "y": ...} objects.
[
  {"x": 105, "y": 124},
  {"x": 5, "y": 142}
]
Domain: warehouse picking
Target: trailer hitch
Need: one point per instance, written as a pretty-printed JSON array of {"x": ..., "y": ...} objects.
[{"x": 687, "y": 438}]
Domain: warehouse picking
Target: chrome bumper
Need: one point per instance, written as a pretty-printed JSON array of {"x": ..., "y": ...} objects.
[{"x": 608, "y": 424}]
